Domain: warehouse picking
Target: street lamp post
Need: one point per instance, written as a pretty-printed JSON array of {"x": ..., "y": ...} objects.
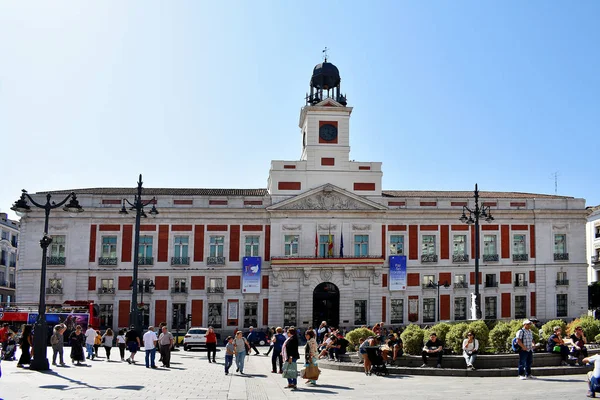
[
  {"x": 474, "y": 215},
  {"x": 137, "y": 206},
  {"x": 141, "y": 284},
  {"x": 437, "y": 286},
  {"x": 21, "y": 208}
]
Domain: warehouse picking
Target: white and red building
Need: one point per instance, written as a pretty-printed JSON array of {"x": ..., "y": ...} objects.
[{"x": 533, "y": 254}]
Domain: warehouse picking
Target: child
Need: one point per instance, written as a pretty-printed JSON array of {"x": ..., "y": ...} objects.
[{"x": 229, "y": 350}]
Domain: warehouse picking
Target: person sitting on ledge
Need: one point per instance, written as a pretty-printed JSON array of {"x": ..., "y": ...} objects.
[
  {"x": 557, "y": 345},
  {"x": 393, "y": 345},
  {"x": 579, "y": 351},
  {"x": 470, "y": 348},
  {"x": 433, "y": 347}
]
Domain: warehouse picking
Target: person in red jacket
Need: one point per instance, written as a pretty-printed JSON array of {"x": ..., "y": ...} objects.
[{"x": 211, "y": 343}]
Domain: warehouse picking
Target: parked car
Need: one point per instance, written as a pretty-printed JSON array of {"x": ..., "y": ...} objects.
[
  {"x": 195, "y": 337},
  {"x": 262, "y": 338}
]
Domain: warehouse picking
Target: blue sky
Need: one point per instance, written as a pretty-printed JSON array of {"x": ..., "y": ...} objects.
[{"x": 206, "y": 94}]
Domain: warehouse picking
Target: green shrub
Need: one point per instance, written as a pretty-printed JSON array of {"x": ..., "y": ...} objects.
[
  {"x": 412, "y": 339},
  {"x": 597, "y": 338},
  {"x": 455, "y": 337},
  {"x": 500, "y": 337},
  {"x": 440, "y": 330},
  {"x": 548, "y": 328},
  {"x": 481, "y": 332},
  {"x": 591, "y": 327},
  {"x": 355, "y": 335}
]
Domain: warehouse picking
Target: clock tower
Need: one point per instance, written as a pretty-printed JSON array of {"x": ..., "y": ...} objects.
[{"x": 325, "y": 158}]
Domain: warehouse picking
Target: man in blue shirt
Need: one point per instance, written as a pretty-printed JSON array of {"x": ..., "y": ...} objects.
[{"x": 252, "y": 338}]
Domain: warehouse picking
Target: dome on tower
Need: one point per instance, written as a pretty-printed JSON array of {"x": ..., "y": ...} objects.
[{"x": 325, "y": 76}]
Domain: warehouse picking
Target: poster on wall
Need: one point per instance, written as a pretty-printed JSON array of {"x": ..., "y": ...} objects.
[
  {"x": 397, "y": 273},
  {"x": 251, "y": 274},
  {"x": 232, "y": 310}
]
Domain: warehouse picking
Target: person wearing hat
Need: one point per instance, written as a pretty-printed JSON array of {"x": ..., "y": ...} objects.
[{"x": 525, "y": 342}]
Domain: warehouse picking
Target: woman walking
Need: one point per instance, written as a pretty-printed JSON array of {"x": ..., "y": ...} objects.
[
  {"x": 310, "y": 353},
  {"x": 121, "y": 343},
  {"x": 211, "y": 343},
  {"x": 97, "y": 343},
  {"x": 25, "y": 343},
  {"x": 240, "y": 345},
  {"x": 77, "y": 341},
  {"x": 57, "y": 342},
  {"x": 291, "y": 355},
  {"x": 107, "y": 342}
]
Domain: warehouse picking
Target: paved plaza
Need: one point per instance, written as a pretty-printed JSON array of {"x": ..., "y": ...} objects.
[{"x": 192, "y": 377}]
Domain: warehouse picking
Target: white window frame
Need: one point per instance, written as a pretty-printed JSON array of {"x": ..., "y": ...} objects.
[
  {"x": 456, "y": 247},
  {"x": 291, "y": 245},
  {"x": 564, "y": 249},
  {"x": 486, "y": 248},
  {"x": 359, "y": 243},
  {"x": 429, "y": 246},
  {"x": 516, "y": 248},
  {"x": 216, "y": 246},
  {"x": 111, "y": 253},
  {"x": 58, "y": 247},
  {"x": 394, "y": 241},
  {"x": 181, "y": 243},
  {"x": 252, "y": 245}
]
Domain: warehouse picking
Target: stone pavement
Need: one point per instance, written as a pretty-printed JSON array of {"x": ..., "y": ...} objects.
[{"x": 192, "y": 377}]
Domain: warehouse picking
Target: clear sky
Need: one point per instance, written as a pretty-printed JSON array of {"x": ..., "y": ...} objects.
[{"x": 205, "y": 94}]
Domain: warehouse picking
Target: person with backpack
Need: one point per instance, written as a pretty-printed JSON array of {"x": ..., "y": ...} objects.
[
  {"x": 277, "y": 341},
  {"x": 524, "y": 343},
  {"x": 57, "y": 342}
]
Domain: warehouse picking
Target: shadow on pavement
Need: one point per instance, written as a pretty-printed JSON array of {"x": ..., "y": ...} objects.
[
  {"x": 80, "y": 383},
  {"x": 313, "y": 390},
  {"x": 335, "y": 387},
  {"x": 254, "y": 376},
  {"x": 559, "y": 380}
]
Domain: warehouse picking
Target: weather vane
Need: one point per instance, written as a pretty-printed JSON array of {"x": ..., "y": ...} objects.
[{"x": 325, "y": 50}]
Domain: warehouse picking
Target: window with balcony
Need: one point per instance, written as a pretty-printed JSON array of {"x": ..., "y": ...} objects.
[
  {"x": 361, "y": 245},
  {"x": 14, "y": 240},
  {"x": 250, "y": 314},
  {"x": 324, "y": 247},
  {"x": 106, "y": 315},
  {"x": 217, "y": 244},
  {"x": 396, "y": 245},
  {"x": 3, "y": 257},
  {"x": 107, "y": 286},
  {"x": 491, "y": 308},
  {"x": 109, "y": 251},
  {"x": 560, "y": 247},
  {"x": 561, "y": 279},
  {"x": 520, "y": 280},
  {"x": 179, "y": 285},
  {"x": 57, "y": 251},
  {"x": 397, "y": 311},
  {"x": 251, "y": 246},
  {"x": 428, "y": 310},
  {"x": 215, "y": 285},
  {"x": 490, "y": 280},
  {"x": 519, "y": 248},
  {"x": 460, "y": 308},
  {"x": 360, "y": 312},
  {"x": 215, "y": 315},
  {"x": 12, "y": 260},
  {"x": 427, "y": 281},
  {"x": 291, "y": 245},
  {"x": 460, "y": 281},
  {"x": 290, "y": 311},
  {"x": 145, "y": 251},
  {"x": 428, "y": 250},
  {"x": 180, "y": 250},
  {"x": 561, "y": 305},
  {"x": 55, "y": 286},
  {"x": 490, "y": 249},
  {"x": 520, "y": 307},
  {"x": 5, "y": 235},
  {"x": 459, "y": 249}
]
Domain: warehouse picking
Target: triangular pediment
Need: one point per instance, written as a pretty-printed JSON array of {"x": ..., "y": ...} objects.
[
  {"x": 327, "y": 197},
  {"x": 329, "y": 102}
]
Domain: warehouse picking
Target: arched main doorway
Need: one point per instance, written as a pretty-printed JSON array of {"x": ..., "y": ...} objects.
[{"x": 326, "y": 304}]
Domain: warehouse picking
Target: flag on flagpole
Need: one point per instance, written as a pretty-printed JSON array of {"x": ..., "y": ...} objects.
[
  {"x": 342, "y": 245},
  {"x": 330, "y": 244},
  {"x": 316, "y": 243}
]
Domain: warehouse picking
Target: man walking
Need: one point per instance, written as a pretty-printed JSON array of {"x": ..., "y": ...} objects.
[
  {"x": 252, "y": 338},
  {"x": 165, "y": 343},
  {"x": 525, "y": 343},
  {"x": 90, "y": 339},
  {"x": 132, "y": 338},
  {"x": 150, "y": 347}
]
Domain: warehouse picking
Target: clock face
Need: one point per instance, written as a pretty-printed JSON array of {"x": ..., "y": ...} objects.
[{"x": 328, "y": 132}]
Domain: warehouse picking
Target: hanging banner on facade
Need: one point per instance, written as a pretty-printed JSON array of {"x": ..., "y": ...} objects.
[
  {"x": 251, "y": 274},
  {"x": 397, "y": 272}
]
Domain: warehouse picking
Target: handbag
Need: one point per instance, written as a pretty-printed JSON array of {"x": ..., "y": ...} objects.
[
  {"x": 556, "y": 349},
  {"x": 312, "y": 372},
  {"x": 290, "y": 370}
]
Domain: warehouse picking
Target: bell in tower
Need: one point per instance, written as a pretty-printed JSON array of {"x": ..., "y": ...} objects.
[{"x": 325, "y": 83}]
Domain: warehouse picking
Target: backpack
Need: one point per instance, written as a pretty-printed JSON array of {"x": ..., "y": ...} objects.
[
  {"x": 515, "y": 345},
  {"x": 54, "y": 339}
]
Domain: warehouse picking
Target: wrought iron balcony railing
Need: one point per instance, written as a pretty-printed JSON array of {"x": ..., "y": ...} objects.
[
  {"x": 429, "y": 258},
  {"x": 490, "y": 257},
  {"x": 12, "y": 264},
  {"x": 460, "y": 258},
  {"x": 461, "y": 285},
  {"x": 215, "y": 260},
  {"x": 491, "y": 284},
  {"x": 180, "y": 261},
  {"x": 54, "y": 290},
  {"x": 561, "y": 256},
  {"x": 146, "y": 261},
  {"x": 54, "y": 260},
  {"x": 106, "y": 290},
  {"x": 7, "y": 284},
  {"x": 427, "y": 286},
  {"x": 520, "y": 257},
  {"x": 562, "y": 282},
  {"x": 520, "y": 283},
  {"x": 215, "y": 289},
  {"x": 179, "y": 290},
  {"x": 107, "y": 261}
]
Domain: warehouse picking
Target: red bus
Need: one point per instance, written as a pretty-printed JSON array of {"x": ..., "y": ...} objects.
[{"x": 70, "y": 313}]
